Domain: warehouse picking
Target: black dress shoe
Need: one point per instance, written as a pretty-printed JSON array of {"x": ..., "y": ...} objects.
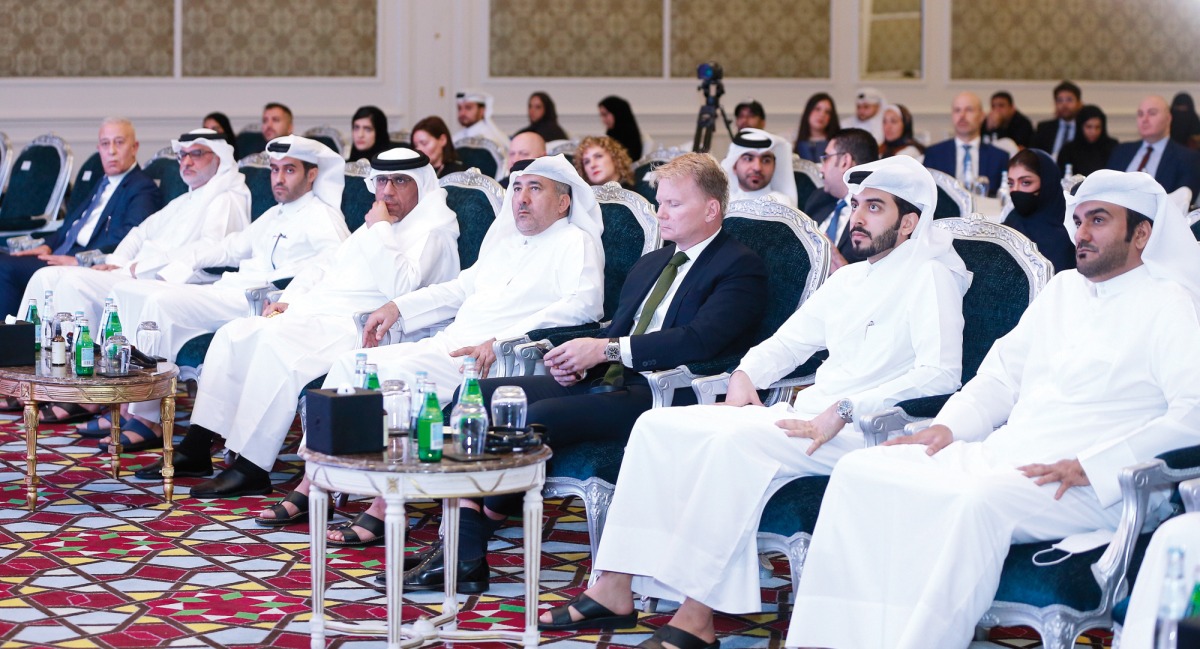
[
  {"x": 232, "y": 483},
  {"x": 431, "y": 575},
  {"x": 411, "y": 561},
  {"x": 185, "y": 467}
]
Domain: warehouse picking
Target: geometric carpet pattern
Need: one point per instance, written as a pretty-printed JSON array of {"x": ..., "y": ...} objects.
[{"x": 104, "y": 563}]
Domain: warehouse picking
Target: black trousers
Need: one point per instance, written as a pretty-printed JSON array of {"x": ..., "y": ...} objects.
[{"x": 574, "y": 415}]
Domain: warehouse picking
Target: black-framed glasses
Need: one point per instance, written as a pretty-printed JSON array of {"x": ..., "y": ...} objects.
[
  {"x": 196, "y": 154},
  {"x": 397, "y": 181},
  {"x": 827, "y": 156}
]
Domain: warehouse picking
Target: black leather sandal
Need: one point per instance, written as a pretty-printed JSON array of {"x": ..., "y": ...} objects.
[
  {"x": 595, "y": 616},
  {"x": 678, "y": 637},
  {"x": 350, "y": 537},
  {"x": 280, "y": 517}
]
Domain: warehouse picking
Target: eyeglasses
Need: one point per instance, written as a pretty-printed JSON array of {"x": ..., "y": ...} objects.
[
  {"x": 398, "y": 181},
  {"x": 831, "y": 155},
  {"x": 195, "y": 155}
]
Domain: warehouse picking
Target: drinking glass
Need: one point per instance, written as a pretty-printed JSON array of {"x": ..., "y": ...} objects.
[
  {"x": 472, "y": 428},
  {"x": 148, "y": 337},
  {"x": 509, "y": 407}
]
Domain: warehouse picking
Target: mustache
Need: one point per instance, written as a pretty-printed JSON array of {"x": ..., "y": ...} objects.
[{"x": 859, "y": 229}]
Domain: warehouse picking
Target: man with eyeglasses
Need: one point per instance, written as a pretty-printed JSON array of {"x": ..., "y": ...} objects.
[
  {"x": 256, "y": 367},
  {"x": 217, "y": 204},
  {"x": 830, "y": 206},
  {"x": 123, "y": 198},
  {"x": 303, "y": 229}
]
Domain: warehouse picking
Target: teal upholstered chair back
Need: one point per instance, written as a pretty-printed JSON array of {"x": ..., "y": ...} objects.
[
  {"x": 566, "y": 148},
  {"x": 649, "y": 162},
  {"x": 630, "y": 231},
  {"x": 164, "y": 169},
  {"x": 329, "y": 136},
  {"x": 250, "y": 141},
  {"x": 481, "y": 153},
  {"x": 256, "y": 167},
  {"x": 6, "y": 160},
  {"x": 795, "y": 252},
  {"x": 476, "y": 199},
  {"x": 86, "y": 179},
  {"x": 37, "y": 184},
  {"x": 357, "y": 199},
  {"x": 953, "y": 199},
  {"x": 808, "y": 178},
  {"x": 1008, "y": 273}
]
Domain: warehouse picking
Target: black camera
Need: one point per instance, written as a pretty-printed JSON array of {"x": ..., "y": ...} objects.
[{"x": 710, "y": 71}]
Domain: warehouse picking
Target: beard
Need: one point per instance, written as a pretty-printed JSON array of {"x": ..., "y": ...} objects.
[
  {"x": 1102, "y": 262},
  {"x": 877, "y": 244}
]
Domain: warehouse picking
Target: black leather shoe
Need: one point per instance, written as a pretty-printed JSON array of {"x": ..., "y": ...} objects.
[
  {"x": 232, "y": 483},
  {"x": 185, "y": 467},
  {"x": 430, "y": 575},
  {"x": 411, "y": 561}
]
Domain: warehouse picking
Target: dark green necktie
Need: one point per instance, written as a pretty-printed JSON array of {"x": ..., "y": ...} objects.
[{"x": 617, "y": 370}]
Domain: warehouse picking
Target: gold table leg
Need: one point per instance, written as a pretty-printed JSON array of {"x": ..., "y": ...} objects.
[
  {"x": 114, "y": 444},
  {"x": 167, "y": 415},
  {"x": 31, "y": 432}
]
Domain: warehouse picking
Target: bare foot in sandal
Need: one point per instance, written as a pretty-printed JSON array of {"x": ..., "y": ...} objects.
[
  {"x": 288, "y": 506},
  {"x": 355, "y": 534}
]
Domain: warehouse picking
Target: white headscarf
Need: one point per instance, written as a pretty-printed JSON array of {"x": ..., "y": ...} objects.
[
  {"x": 478, "y": 97},
  {"x": 331, "y": 167},
  {"x": 906, "y": 178},
  {"x": 758, "y": 140},
  {"x": 431, "y": 211},
  {"x": 227, "y": 178},
  {"x": 584, "y": 213},
  {"x": 1172, "y": 252}
]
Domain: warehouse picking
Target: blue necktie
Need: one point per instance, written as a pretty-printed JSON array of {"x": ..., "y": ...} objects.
[
  {"x": 73, "y": 233},
  {"x": 966, "y": 169},
  {"x": 831, "y": 228}
]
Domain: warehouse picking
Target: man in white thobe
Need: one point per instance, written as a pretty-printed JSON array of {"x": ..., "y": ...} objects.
[
  {"x": 304, "y": 228},
  {"x": 868, "y": 112},
  {"x": 217, "y": 204},
  {"x": 893, "y": 328},
  {"x": 1098, "y": 374},
  {"x": 475, "y": 111},
  {"x": 541, "y": 265},
  {"x": 256, "y": 367},
  {"x": 758, "y": 165}
]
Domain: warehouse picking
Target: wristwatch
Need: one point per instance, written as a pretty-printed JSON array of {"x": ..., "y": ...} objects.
[
  {"x": 612, "y": 351},
  {"x": 845, "y": 410}
]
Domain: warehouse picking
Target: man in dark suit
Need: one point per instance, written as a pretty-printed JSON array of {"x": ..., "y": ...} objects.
[
  {"x": 1171, "y": 164},
  {"x": 830, "y": 205},
  {"x": 965, "y": 156},
  {"x": 1052, "y": 134},
  {"x": 1005, "y": 121},
  {"x": 121, "y": 200},
  {"x": 697, "y": 298}
]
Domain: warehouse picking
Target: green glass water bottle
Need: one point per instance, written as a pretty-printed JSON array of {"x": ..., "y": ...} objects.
[
  {"x": 430, "y": 436},
  {"x": 85, "y": 351}
]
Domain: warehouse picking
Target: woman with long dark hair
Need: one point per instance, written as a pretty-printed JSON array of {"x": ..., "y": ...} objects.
[
  {"x": 617, "y": 116},
  {"x": 543, "y": 118},
  {"x": 431, "y": 137},
  {"x": 368, "y": 133},
  {"x": 1091, "y": 147},
  {"x": 818, "y": 125}
]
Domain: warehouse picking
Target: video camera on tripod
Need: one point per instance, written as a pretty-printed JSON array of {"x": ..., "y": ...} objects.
[{"x": 710, "y": 75}]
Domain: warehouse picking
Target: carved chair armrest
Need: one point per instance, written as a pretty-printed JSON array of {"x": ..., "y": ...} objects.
[
  {"x": 394, "y": 333},
  {"x": 664, "y": 383},
  {"x": 529, "y": 357},
  {"x": 506, "y": 355},
  {"x": 257, "y": 297}
]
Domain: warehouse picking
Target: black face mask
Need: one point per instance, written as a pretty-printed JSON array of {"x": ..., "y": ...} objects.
[{"x": 1025, "y": 203}]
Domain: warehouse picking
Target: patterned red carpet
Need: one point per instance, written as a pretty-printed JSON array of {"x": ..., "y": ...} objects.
[{"x": 105, "y": 563}]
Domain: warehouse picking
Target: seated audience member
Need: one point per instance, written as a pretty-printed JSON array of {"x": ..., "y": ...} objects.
[
  {"x": 965, "y": 156},
  {"x": 475, "y": 116},
  {"x": 217, "y": 204},
  {"x": 759, "y": 165},
  {"x": 541, "y": 265},
  {"x": 1005, "y": 121},
  {"x": 276, "y": 121},
  {"x": 594, "y": 390},
  {"x": 818, "y": 125},
  {"x": 617, "y": 117},
  {"x": 1035, "y": 187},
  {"x": 1185, "y": 123},
  {"x": 543, "y": 118},
  {"x": 524, "y": 146},
  {"x": 1053, "y": 134},
  {"x": 712, "y": 468},
  {"x": 254, "y": 370},
  {"x": 750, "y": 114},
  {"x": 305, "y": 227},
  {"x": 431, "y": 137},
  {"x": 1099, "y": 374},
  {"x": 1171, "y": 164},
  {"x": 120, "y": 201},
  {"x": 830, "y": 205},
  {"x": 867, "y": 106},
  {"x": 368, "y": 134},
  {"x": 219, "y": 122},
  {"x": 600, "y": 160},
  {"x": 1092, "y": 147},
  {"x": 898, "y": 134}
]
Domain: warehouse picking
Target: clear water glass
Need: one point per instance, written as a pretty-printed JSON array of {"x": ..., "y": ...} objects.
[
  {"x": 148, "y": 338},
  {"x": 509, "y": 407}
]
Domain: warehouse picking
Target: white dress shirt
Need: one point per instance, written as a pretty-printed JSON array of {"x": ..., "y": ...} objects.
[
  {"x": 959, "y": 154},
  {"x": 1156, "y": 153},
  {"x": 92, "y": 219}
]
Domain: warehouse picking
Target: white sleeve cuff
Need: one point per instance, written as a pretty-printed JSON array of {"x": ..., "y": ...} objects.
[{"x": 626, "y": 352}]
